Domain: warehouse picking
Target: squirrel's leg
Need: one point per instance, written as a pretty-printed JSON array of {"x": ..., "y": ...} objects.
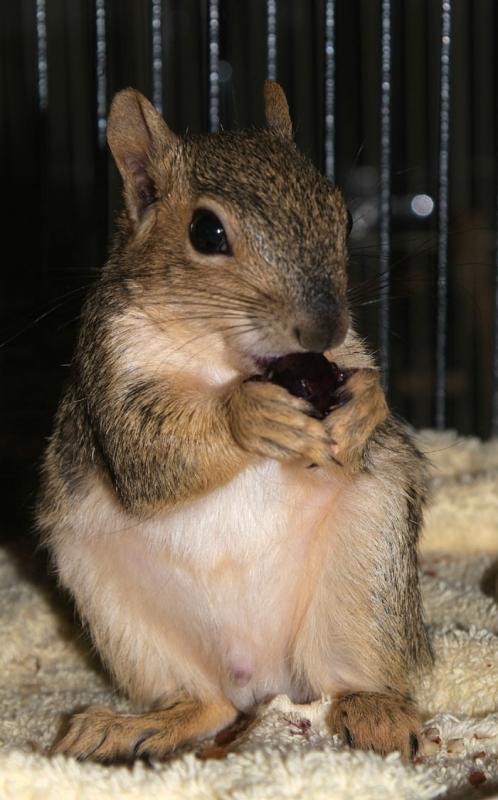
[
  {"x": 366, "y": 640},
  {"x": 101, "y": 734}
]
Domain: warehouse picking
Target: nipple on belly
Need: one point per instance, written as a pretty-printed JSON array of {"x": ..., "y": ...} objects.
[
  {"x": 241, "y": 676},
  {"x": 240, "y": 670}
]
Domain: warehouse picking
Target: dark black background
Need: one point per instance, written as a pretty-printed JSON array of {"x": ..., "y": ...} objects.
[{"x": 60, "y": 190}]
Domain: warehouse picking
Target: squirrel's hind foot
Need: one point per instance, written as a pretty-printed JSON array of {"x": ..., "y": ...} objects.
[
  {"x": 100, "y": 734},
  {"x": 375, "y": 721}
]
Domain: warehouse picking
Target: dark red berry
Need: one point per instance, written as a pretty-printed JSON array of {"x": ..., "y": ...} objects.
[{"x": 308, "y": 375}]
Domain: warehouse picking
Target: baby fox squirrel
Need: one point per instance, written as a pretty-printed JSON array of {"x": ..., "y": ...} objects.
[{"x": 212, "y": 566}]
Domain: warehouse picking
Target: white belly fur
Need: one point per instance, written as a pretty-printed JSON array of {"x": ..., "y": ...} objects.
[{"x": 210, "y": 597}]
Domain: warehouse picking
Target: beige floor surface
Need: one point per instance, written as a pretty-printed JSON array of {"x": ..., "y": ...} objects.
[{"x": 47, "y": 669}]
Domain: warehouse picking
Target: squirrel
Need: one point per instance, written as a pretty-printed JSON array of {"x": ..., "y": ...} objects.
[{"x": 212, "y": 567}]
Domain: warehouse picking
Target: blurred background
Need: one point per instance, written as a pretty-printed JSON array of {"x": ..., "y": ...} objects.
[{"x": 395, "y": 100}]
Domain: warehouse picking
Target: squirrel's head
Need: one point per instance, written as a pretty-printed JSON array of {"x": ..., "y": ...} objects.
[{"x": 234, "y": 232}]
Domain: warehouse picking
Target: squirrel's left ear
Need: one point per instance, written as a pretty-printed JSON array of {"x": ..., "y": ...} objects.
[{"x": 277, "y": 109}]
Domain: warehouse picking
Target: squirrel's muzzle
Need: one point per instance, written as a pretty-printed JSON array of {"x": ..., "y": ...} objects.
[{"x": 322, "y": 330}]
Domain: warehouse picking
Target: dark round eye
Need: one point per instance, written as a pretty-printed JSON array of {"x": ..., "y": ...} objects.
[
  {"x": 349, "y": 227},
  {"x": 207, "y": 234}
]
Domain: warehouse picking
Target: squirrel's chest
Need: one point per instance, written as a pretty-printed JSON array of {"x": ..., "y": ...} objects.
[
  {"x": 266, "y": 509},
  {"x": 247, "y": 553}
]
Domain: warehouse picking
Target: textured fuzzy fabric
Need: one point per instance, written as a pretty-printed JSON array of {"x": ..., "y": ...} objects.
[{"x": 47, "y": 668}]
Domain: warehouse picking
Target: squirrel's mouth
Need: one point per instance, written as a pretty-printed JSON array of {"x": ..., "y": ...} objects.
[
  {"x": 309, "y": 375},
  {"x": 265, "y": 363}
]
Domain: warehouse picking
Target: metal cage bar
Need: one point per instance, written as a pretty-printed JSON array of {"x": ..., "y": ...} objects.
[
  {"x": 385, "y": 191},
  {"x": 214, "y": 54},
  {"x": 41, "y": 55},
  {"x": 443, "y": 195},
  {"x": 101, "y": 71},
  {"x": 494, "y": 412},
  {"x": 271, "y": 39},
  {"x": 329, "y": 99},
  {"x": 157, "y": 54}
]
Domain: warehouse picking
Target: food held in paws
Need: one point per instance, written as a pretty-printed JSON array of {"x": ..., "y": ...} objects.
[{"x": 308, "y": 375}]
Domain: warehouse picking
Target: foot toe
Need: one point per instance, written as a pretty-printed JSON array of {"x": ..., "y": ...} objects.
[{"x": 374, "y": 721}]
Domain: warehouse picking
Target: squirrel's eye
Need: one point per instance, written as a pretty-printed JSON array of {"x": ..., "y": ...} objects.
[
  {"x": 207, "y": 234},
  {"x": 349, "y": 227}
]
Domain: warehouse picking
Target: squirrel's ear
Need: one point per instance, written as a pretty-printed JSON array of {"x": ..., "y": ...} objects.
[
  {"x": 277, "y": 109},
  {"x": 136, "y": 133}
]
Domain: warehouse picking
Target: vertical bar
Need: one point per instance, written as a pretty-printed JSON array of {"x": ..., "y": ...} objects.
[
  {"x": 385, "y": 191},
  {"x": 494, "y": 419},
  {"x": 330, "y": 89},
  {"x": 101, "y": 70},
  {"x": 41, "y": 46},
  {"x": 157, "y": 55},
  {"x": 214, "y": 54},
  {"x": 442, "y": 274},
  {"x": 271, "y": 39}
]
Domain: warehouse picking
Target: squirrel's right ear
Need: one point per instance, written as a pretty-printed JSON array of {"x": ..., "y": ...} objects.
[
  {"x": 277, "y": 109},
  {"x": 137, "y": 134}
]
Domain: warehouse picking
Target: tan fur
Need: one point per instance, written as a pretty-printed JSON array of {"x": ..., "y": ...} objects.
[
  {"x": 103, "y": 735},
  {"x": 218, "y": 540},
  {"x": 191, "y": 581},
  {"x": 352, "y": 424},
  {"x": 379, "y": 722},
  {"x": 277, "y": 109}
]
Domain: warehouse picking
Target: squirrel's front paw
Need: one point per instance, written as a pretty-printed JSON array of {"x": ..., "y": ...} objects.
[
  {"x": 361, "y": 406},
  {"x": 268, "y": 421}
]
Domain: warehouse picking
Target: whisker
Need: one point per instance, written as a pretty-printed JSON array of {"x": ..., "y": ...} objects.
[
  {"x": 248, "y": 327},
  {"x": 212, "y": 302},
  {"x": 41, "y": 317},
  {"x": 378, "y": 300},
  {"x": 381, "y": 280}
]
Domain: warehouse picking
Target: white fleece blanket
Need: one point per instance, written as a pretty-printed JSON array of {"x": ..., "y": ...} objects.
[{"x": 47, "y": 668}]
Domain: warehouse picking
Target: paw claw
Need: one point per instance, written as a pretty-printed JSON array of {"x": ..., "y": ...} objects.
[
  {"x": 358, "y": 407},
  {"x": 109, "y": 737},
  {"x": 138, "y": 750},
  {"x": 376, "y": 721},
  {"x": 348, "y": 737}
]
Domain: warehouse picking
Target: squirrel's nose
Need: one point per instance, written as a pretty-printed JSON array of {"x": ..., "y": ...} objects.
[{"x": 320, "y": 334}]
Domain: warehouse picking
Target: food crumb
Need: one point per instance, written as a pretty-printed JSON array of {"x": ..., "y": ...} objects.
[
  {"x": 477, "y": 777},
  {"x": 299, "y": 728},
  {"x": 212, "y": 752}
]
